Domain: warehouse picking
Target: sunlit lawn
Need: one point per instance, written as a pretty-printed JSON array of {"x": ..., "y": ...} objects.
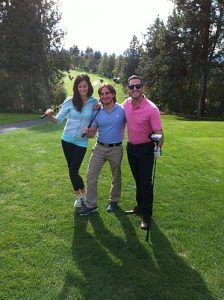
[
  {"x": 48, "y": 252},
  {"x": 7, "y": 118}
]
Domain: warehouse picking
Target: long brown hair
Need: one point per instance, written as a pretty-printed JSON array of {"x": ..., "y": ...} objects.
[
  {"x": 76, "y": 99},
  {"x": 110, "y": 88}
]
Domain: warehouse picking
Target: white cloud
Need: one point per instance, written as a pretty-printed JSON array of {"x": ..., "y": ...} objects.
[{"x": 108, "y": 26}]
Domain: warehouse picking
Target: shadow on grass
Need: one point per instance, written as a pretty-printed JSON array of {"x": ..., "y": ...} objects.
[{"x": 115, "y": 268}]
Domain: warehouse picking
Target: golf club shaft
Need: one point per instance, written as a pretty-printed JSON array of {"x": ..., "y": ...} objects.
[
  {"x": 43, "y": 116},
  {"x": 57, "y": 107},
  {"x": 90, "y": 123},
  {"x": 153, "y": 180}
]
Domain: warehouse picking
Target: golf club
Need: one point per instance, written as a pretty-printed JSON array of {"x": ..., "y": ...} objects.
[
  {"x": 156, "y": 138},
  {"x": 116, "y": 80},
  {"x": 91, "y": 121},
  {"x": 96, "y": 82},
  {"x": 56, "y": 108}
]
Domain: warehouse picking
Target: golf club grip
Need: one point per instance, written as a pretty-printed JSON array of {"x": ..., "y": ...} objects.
[
  {"x": 90, "y": 123},
  {"x": 43, "y": 116}
]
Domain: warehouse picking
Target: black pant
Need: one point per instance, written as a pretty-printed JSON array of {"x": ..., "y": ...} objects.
[
  {"x": 74, "y": 156},
  {"x": 141, "y": 160}
]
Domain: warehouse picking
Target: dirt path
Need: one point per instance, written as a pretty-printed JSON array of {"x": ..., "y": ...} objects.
[{"x": 9, "y": 127}]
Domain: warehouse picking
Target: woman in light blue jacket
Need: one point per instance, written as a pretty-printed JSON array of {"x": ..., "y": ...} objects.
[{"x": 78, "y": 110}]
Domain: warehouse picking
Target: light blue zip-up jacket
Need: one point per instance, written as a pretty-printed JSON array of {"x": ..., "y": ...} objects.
[{"x": 76, "y": 121}]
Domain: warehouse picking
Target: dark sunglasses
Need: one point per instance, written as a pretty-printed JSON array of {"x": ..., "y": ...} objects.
[{"x": 138, "y": 86}]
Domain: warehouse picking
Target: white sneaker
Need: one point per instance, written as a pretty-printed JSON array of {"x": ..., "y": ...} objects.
[{"x": 78, "y": 202}]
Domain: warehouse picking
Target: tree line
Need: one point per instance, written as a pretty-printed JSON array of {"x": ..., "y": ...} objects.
[
  {"x": 181, "y": 62},
  {"x": 30, "y": 64}
]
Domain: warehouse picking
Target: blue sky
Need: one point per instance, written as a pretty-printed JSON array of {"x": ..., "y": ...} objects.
[{"x": 108, "y": 26}]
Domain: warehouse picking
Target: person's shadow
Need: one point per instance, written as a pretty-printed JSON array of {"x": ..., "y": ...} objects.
[{"x": 110, "y": 267}]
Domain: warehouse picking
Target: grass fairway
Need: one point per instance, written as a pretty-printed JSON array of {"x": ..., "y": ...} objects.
[
  {"x": 48, "y": 252},
  {"x": 96, "y": 84}
]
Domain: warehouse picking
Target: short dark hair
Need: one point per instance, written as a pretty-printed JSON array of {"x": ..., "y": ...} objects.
[
  {"x": 135, "y": 77},
  {"x": 77, "y": 101},
  {"x": 110, "y": 88}
]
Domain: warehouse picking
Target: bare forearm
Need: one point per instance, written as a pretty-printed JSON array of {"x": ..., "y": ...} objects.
[{"x": 53, "y": 119}]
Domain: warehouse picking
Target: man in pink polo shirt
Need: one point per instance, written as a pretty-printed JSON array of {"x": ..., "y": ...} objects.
[{"x": 143, "y": 118}]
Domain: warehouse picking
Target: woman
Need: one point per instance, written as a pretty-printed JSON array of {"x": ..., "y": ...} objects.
[{"x": 78, "y": 110}]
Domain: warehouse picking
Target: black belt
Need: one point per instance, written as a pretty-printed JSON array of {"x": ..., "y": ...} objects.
[
  {"x": 136, "y": 146},
  {"x": 109, "y": 145}
]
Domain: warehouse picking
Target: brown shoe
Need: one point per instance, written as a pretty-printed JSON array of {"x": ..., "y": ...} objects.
[
  {"x": 135, "y": 211},
  {"x": 145, "y": 223}
]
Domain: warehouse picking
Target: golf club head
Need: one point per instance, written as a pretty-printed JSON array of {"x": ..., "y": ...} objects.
[
  {"x": 116, "y": 80},
  {"x": 155, "y": 137}
]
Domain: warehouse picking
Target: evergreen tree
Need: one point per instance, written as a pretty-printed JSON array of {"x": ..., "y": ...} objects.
[
  {"x": 29, "y": 45},
  {"x": 118, "y": 68},
  {"x": 131, "y": 58},
  {"x": 202, "y": 25}
]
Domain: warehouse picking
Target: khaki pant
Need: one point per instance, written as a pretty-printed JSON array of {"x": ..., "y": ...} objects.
[{"x": 101, "y": 154}]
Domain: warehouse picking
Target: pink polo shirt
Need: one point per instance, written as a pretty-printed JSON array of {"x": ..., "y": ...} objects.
[{"x": 142, "y": 120}]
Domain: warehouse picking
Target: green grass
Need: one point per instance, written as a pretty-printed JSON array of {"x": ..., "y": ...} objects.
[
  {"x": 7, "y": 118},
  {"x": 48, "y": 252}
]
